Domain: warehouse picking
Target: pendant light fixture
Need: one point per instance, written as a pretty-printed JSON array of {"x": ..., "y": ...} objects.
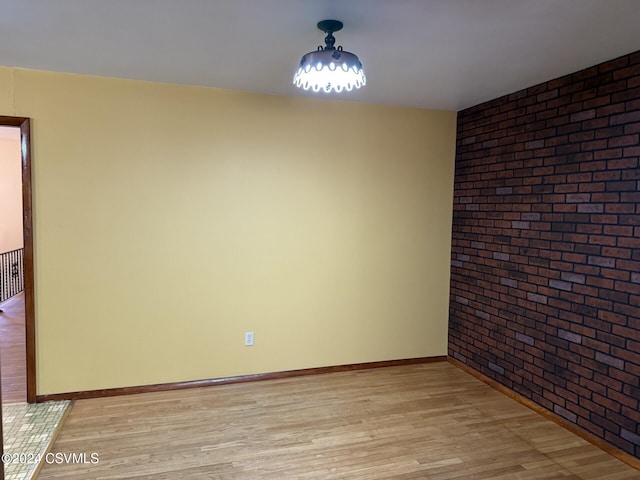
[{"x": 330, "y": 68}]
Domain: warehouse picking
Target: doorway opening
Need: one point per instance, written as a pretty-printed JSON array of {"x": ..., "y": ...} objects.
[
  {"x": 12, "y": 320},
  {"x": 20, "y": 275}
]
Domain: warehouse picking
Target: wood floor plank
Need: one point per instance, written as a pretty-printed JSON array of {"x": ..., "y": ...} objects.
[{"x": 426, "y": 421}]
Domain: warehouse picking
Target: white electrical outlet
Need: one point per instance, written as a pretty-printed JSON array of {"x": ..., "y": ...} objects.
[{"x": 248, "y": 339}]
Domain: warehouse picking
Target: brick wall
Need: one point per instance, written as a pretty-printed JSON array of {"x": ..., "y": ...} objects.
[{"x": 545, "y": 268}]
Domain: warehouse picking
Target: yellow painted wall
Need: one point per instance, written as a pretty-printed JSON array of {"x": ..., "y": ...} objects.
[
  {"x": 10, "y": 190},
  {"x": 171, "y": 219}
]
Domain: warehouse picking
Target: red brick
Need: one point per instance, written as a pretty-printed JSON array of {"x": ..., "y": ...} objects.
[
  {"x": 625, "y": 72},
  {"x": 622, "y": 186},
  {"x": 612, "y": 87},
  {"x": 611, "y": 109},
  {"x": 626, "y": 95},
  {"x": 631, "y": 128},
  {"x": 620, "y": 208},
  {"x": 615, "y": 64},
  {"x": 623, "y": 141},
  {"x": 622, "y": 118},
  {"x": 616, "y": 252},
  {"x": 623, "y": 163},
  {"x": 596, "y": 123}
]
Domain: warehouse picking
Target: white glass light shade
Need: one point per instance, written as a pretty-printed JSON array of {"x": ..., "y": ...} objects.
[{"x": 329, "y": 70}]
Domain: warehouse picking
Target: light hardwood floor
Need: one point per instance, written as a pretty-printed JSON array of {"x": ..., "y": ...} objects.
[
  {"x": 428, "y": 421},
  {"x": 13, "y": 351}
]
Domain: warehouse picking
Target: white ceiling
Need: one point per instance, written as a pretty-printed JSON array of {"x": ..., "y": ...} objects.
[{"x": 444, "y": 54}]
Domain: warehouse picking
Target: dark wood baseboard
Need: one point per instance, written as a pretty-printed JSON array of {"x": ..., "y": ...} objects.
[
  {"x": 573, "y": 428},
  {"x": 161, "y": 387}
]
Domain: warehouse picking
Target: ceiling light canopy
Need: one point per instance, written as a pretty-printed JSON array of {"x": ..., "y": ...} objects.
[{"x": 330, "y": 68}]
